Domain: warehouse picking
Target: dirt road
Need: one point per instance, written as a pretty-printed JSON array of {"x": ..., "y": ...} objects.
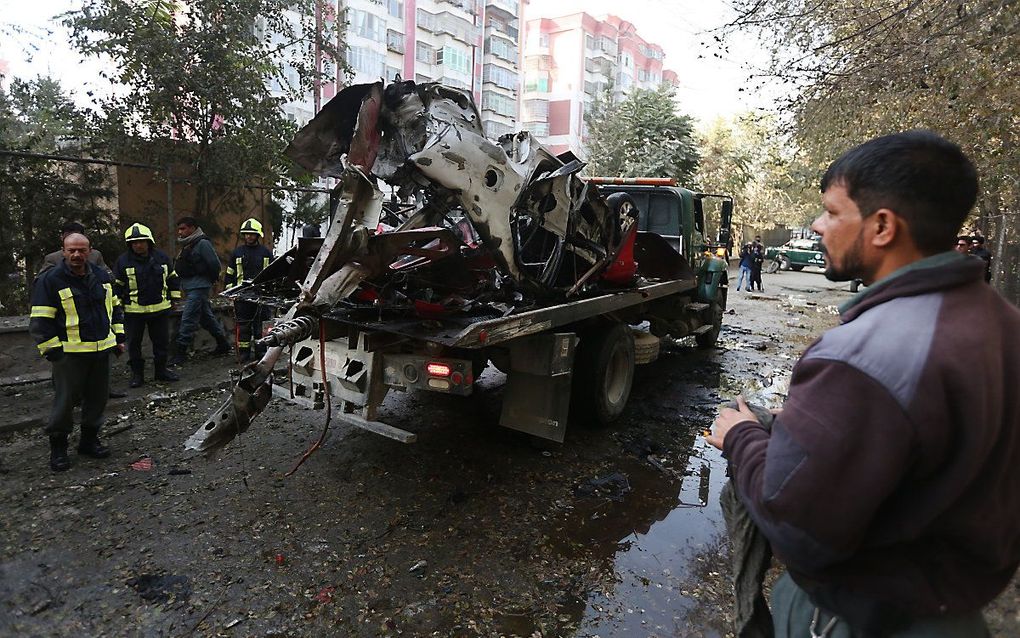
[{"x": 472, "y": 531}]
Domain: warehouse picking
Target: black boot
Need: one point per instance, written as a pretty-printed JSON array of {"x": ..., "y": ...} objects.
[
  {"x": 90, "y": 445},
  {"x": 137, "y": 374},
  {"x": 162, "y": 374},
  {"x": 58, "y": 453},
  {"x": 180, "y": 356},
  {"x": 222, "y": 347}
]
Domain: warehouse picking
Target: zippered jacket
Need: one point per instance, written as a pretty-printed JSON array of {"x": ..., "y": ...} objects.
[
  {"x": 246, "y": 262},
  {"x": 76, "y": 314},
  {"x": 890, "y": 483},
  {"x": 146, "y": 284}
]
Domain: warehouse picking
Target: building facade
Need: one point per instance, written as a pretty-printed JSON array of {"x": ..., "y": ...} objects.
[
  {"x": 470, "y": 44},
  {"x": 569, "y": 60}
]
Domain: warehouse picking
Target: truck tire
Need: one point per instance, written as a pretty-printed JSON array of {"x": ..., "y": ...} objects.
[
  {"x": 796, "y": 267},
  {"x": 603, "y": 375},
  {"x": 709, "y": 339},
  {"x": 784, "y": 262}
]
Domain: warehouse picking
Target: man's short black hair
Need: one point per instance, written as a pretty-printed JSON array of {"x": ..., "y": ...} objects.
[
  {"x": 964, "y": 238},
  {"x": 919, "y": 175},
  {"x": 72, "y": 227},
  {"x": 190, "y": 221}
]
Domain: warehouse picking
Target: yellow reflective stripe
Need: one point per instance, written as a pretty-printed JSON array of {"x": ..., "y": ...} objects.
[
  {"x": 164, "y": 294},
  {"x": 46, "y": 312},
  {"x": 132, "y": 286},
  {"x": 70, "y": 315},
  {"x": 240, "y": 268},
  {"x": 175, "y": 294},
  {"x": 109, "y": 302},
  {"x": 230, "y": 270},
  {"x": 156, "y": 307},
  {"x": 265, "y": 263},
  {"x": 91, "y": 346},
  {"x": 243, "y": 344},
  {"x": 118, "y": 328},
  {"x": 49, "y": 343}
]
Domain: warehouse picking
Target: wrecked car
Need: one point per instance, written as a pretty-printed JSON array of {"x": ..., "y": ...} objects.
[{"x": 477, "y": 252}]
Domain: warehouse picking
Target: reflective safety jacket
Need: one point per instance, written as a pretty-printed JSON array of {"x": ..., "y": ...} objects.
[
  {"x": 146, "y": 284},
  {"x": 76, "y": 314},
  {"x": 246, "y": 262}
]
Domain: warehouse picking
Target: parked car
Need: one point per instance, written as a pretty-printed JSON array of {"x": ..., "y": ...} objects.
[{"x": 795, "y": 254}]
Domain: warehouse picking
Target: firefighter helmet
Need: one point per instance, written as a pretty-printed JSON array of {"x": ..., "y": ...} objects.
[
  {"x": 252, "y": 225},
  {"x": 137, "y": 232}
]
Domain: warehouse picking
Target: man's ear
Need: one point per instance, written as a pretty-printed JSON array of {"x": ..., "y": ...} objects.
[{"x": 887, "y": 227}]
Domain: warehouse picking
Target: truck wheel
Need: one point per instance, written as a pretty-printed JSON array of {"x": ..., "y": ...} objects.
[
  {"x": 603, "y": 375},
  {"x": 796, "y": 267},
  {"x": 784, "y": 262},
  {"x": 715, "y": 310},
  {"x": 773, "y": 267}
]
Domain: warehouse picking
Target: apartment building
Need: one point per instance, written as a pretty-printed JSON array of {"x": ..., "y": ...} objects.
[
  {"x": 570, "y": 59},
  {"x": 470, "y": 44}
]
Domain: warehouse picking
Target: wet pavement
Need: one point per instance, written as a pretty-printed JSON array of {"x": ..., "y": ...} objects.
[{"x": 473, "y": 531}]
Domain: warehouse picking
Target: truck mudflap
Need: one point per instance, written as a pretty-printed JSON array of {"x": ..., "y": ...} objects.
[
  {"x": 710, "y": 278},
  {"x": 537, "y": 395}
]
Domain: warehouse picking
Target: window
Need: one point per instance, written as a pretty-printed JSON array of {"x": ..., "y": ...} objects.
[
  {"x": 543, "y": 40},
  {"x": 536, "y": 110},
  {"x": 589, "y": 42},
  {"x": 424, "y": 53},
  {"x": 454, "y": 59},
  {"x": 538, "y": 129},
  {"x": 501, "y": 49},
  {"x": 366, "y": 61},
  {"x": 367, "y": 25},
  {"x": 392, "y": 72},
  {"x": 395, "y": 8},
  {"x": 536, "y": 83},
  {"x": 394, "y": 41},
  {"x": 495, "y": 130},
  {"x": 500, "y": 77},
  {"x": 501, "y": 104}
]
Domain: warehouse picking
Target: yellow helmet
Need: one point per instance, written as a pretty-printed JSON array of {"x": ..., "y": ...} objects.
[
  {"x": 252, "y": 225},
  {"x": 138, "y": 231}
]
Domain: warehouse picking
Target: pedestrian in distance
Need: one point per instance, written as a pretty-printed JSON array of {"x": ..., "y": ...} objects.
[
  {"x": 56, "y": 257},
  {"x": 889, "y": 484},
  {"x": 77, "y": 322},
  {"x": 246, "y": 262},
  {"x": 146, "y": 283},
  {"x": 746, "y": 263},
  {"x": 198, "y": 268},
  {"x": 757, "y": 259},
  {"x": 977, "y": 248},
  {"x": 962, "y": 245}
]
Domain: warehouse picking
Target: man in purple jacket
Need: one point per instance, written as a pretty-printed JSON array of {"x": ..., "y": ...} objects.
[{"x": 889, "y": 485}]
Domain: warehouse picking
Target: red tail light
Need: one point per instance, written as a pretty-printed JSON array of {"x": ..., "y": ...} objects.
[{"x": 438, "y": 369}]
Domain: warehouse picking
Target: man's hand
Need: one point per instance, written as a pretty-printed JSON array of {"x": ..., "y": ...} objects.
[
  {"x": 728, "y": 417},
  {"x": 54, "y": 354},
  {"x": 119, "y": 350}
]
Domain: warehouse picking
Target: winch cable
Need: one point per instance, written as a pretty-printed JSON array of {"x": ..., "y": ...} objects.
[{"x": 329, "y": 404}]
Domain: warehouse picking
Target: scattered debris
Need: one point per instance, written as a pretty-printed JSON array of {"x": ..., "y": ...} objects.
[
  {"x": 325, "y": 594},
  {"x": 144, "y": 464},
  {"x": 420, "y": 565},
  {"x": 161, "y": 588},
  {"x": 613, "y": 486}
]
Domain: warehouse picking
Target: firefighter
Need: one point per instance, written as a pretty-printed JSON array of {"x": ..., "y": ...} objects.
[
  {"x": 146, "y": 284},
  {"x": 77, "y": 321},
  {"x": 247, "y": 261}
]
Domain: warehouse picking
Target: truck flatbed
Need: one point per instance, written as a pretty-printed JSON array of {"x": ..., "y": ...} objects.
[{"x": 474, "y": 331}]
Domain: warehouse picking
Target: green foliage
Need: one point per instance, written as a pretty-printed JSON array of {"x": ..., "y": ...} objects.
[
  {"x": 642, "y": 136},
  {"x": 193, "y": 84},
  {"x": 38, "y": 196},
  {"x": 746, "y": 158},
  {"x": 861, "y": 68}
]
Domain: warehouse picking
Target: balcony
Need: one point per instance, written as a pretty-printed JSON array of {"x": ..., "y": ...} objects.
[
  {"x": 507, "y": 31},
  {"x": 509, "y": 6}
]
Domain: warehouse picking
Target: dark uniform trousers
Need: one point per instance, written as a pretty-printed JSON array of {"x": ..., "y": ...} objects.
[
  {"x": 249, "y": 317},
  {"x": 80, "y": 377},
  {"x": 158, "y": 324}
]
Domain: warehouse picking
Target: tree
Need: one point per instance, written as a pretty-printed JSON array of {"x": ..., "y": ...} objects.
[
  {"x": 746, "y": 158},
  {"x": 38, "y": 196},
  {"x": 860, "y": 68},
  {"x": 193, "y": 84},
  {"x": 643, "y": 135}
]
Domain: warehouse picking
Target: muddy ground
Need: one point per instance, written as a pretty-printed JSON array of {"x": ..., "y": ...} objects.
[{"x": 472, "y": 531}]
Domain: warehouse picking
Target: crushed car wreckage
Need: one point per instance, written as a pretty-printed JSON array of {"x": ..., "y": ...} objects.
[{"x": 472, "y": 232}]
